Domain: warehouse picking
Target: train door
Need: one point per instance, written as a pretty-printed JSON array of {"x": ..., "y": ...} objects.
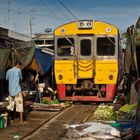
[
  {"x": 85, "y": 54},
  {"x": 85, "y": 49}
]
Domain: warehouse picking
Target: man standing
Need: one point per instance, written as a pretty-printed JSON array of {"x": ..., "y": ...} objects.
[{"x": 14, "y": 76}]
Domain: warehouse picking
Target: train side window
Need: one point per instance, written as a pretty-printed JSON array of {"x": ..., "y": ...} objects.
[
  {"x": 105, "y": 46},
  {"x": 65, "y": 47},
  {"x": 85, "y": 47}
]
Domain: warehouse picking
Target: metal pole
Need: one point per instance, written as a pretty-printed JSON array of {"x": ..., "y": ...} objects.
[
  {"x": 38, "y": 81},
  {"x": 53, "y": 73}
]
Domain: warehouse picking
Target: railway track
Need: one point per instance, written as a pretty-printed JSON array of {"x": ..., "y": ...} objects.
[{"x": 54, "y": 128}]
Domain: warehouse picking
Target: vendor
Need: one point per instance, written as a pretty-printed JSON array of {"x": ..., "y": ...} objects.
[{"x": 14, "y": 76}]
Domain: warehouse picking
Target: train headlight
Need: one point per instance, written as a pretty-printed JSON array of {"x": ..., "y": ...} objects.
[
  {"x": 81, "y": 25},
  {"x": 110, "y": 77},
  {"x": 89, "y": 24},
  {"x": 85, "y": 24},
  {"x": 60, "y": 77}
]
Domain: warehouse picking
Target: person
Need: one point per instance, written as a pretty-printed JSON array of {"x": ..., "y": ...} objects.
[
  {"x": 38, "y": 94},
  {"x": 14, "y": 77}
]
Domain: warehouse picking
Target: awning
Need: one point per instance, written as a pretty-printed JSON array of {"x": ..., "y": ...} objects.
[
  {"x": 43, "y": 60},
  {"x": 4, "y": 55}
]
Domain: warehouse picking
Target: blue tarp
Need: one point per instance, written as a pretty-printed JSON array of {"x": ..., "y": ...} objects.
[{"x": 44, "y": 61}]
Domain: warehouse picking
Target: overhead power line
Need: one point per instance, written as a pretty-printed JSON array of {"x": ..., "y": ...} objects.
[
  {"x": 61, "y": 11},
  {"x": 49, "y": 9},
  {"x": 67, "y": 9}
]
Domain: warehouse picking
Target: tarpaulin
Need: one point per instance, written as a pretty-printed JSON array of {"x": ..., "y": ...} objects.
[
  {"x": 4, "y": 55},
  {"x": 25, "y": 55},
  {"x": 32, "y": 65},
  {"x": 43, "y": 61}
]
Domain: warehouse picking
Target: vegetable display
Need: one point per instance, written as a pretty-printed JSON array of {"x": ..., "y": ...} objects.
[{"x": 105, "y": 113}]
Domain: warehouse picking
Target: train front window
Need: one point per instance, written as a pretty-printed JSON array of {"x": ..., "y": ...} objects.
[
  {"x": 105, "y": 46},
  {"x": 85, "y": 47},
  {"x": 65, "y": 47}
]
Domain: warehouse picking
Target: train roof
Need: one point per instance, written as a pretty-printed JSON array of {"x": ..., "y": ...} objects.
[{"x": 98, "y": 27}]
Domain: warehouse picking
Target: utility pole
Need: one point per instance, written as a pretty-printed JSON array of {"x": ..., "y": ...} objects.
[
  {"x": 18, "y": 14},
  {"x": 8, "y": 20},
  {"x": 15, "y": 24},
  {"x": 33, "y": 11},
  {"x": 31, "y": 28}
]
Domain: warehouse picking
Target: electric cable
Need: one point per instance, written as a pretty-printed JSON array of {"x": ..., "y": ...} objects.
[{"x": 67, "y": 9}]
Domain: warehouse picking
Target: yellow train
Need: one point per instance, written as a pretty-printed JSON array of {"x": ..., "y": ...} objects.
[{"x": 86, "y": 60}]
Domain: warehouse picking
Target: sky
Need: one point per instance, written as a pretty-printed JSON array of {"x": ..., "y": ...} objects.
[{"x": 18, "y": 15}]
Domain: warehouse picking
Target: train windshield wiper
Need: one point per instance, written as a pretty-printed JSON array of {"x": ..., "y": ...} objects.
[
  {"x": 73, "y": 46},
  {"x": 109, "y": 39},
  {"x": 69, "y": 41}
]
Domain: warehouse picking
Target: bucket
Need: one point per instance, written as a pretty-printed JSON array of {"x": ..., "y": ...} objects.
[
  {"x": 41, "y": 85},
  {"x": 2, "y": 122},
  {"x": 116, "y": 125},
  {"x": 5, "y": 117}
]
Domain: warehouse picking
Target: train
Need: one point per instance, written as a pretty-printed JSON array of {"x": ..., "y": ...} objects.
[{"x": 86, "y": 61}]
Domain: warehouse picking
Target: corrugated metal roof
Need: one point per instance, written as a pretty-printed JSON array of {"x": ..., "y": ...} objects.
[
  {"x": 18, "y": 36},
  {"x": 13, "y": 35}
]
